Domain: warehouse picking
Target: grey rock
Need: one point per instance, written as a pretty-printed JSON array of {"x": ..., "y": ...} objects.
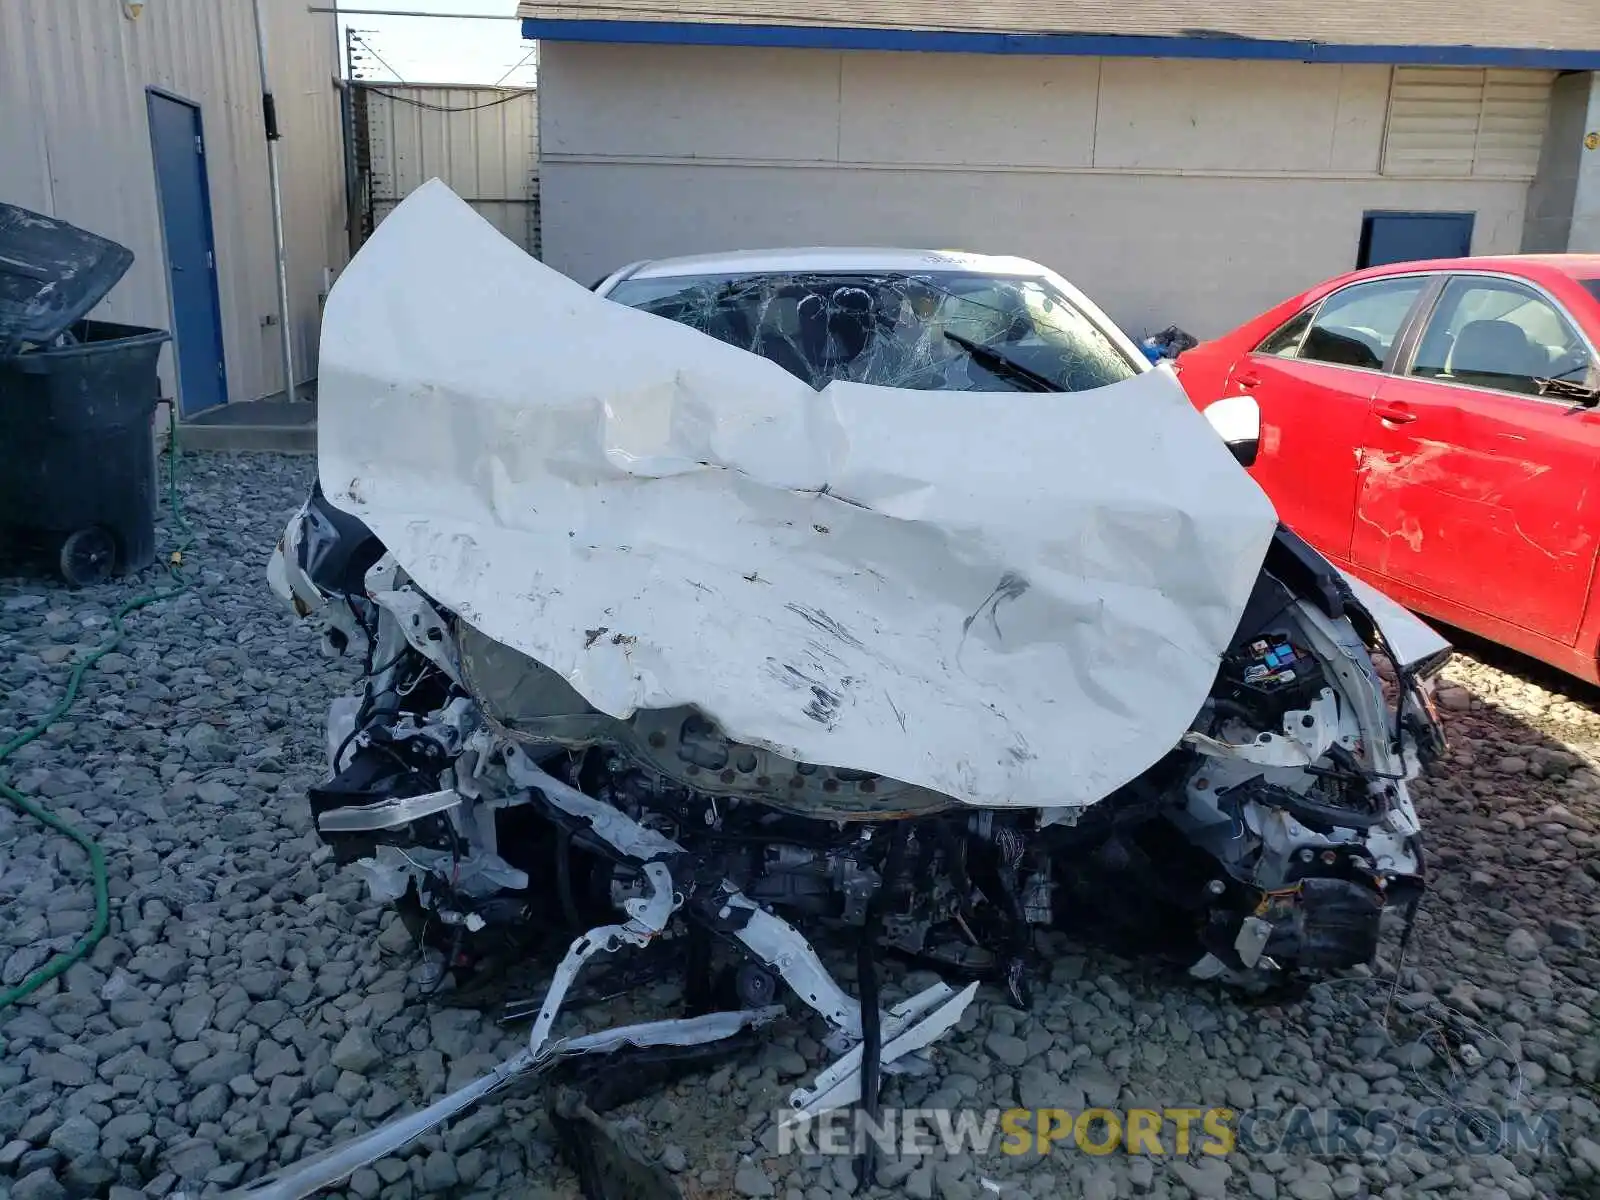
[
  {"x": 390, "y": 1170},
  {"x": 23, "y": 963},
  {"x": 396, "y": 938},
  {"x": 787, "y": 1062},
  {"x": 751, "y": 1180},
  {"x": 40, "y": 1158},
  {"x": 1522, "y": 946},
  {"x": 219, "y": 1068},
  {"x": 1415, "y": 1055},
  {"x": 1207, "y": 1179},
  {"x": 193, "y": 1159},
  {"x": 1099, "y": 1088},
  {"x": 439, "y": 1172},
  {"x": 471, "y": 1166},
  {"x": 1009, "y": 1049},
  {"x": 381, "y": 1101},
  {"x": 76, "y": 1137},
  {"x": 87, "y": 1176},
  {"x": 472, "y": 1129},
  {"x": 189, "y": 1055},
  {"x": 192, "y": 1017},
  {"x": 162, "y": 966},
  {"x": 674, "y": 1159},
  {"x": 209, "y": 1103},
  {"x": 61, "y": 1070},
  {"x": 129, "y": 1127},
  {"x": 273, "y": 1060},
  {"x": 328, "y": 1108},
  {"x": 1037, "y": 1088},
  {"x": 259, "y": 985},
  {"x": 243, "y": 1086},
  {"x": 1567, "y": 933},
  {"x": 39, "y": 1185},
  {"x": 356, "y": 1052},
  {"x": 130, "y": 1010}
]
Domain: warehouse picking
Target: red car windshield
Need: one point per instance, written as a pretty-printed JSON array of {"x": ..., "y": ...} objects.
[{"x": 1593, "y": 285}]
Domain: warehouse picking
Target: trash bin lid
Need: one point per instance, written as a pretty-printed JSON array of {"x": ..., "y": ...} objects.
[{"x": 51, "y": 274}]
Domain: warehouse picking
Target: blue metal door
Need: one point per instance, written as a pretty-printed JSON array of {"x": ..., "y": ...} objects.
[
  {"x": 1390, "y": 237},
  {"x": 178, "y": 146}
]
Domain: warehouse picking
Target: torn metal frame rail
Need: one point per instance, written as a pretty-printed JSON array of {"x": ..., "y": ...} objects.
[
  {"x": 772, "y": 940},
  {"x": 339, "y": 1162},
  {"x": 912, "y": 1025}
]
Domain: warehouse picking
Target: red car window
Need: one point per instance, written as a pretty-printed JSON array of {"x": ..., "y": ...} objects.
[
  {"x": 1285, "y": 341},
  {"x": 1499, "y": 334},
  {"x": 1354, "y": 327}
]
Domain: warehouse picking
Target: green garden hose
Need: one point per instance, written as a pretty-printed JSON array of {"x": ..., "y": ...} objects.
[{"x": 60, "y": 963}]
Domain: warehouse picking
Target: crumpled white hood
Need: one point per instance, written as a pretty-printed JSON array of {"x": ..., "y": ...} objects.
[{"x": 1014, "y": 599}]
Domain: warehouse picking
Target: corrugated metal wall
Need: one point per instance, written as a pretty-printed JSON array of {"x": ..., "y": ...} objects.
[
  {"x": 75, "y": 143},
  {"x": 483, "y": 142}
]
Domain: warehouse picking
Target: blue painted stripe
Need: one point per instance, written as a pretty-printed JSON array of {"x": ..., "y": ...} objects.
[{"x": 819, "y": 37}]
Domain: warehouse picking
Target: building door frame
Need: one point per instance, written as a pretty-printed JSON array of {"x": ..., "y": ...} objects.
[
  {"x": 1449, "y": 232},
  {"x": 183, "y": 201}
]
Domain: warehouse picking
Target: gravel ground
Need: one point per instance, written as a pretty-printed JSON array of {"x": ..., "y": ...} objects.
[{"x": 249, "y": 1006}]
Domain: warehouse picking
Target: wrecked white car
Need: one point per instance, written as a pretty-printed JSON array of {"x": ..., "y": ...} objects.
[{"x": 911, "y": 602}]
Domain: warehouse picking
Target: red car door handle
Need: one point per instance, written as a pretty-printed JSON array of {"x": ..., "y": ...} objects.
[
  {"x": 1395, "y": 414},
  {"x": 1247, "y": 381}
]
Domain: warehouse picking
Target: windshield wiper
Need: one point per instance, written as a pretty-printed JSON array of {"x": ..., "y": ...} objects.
[
  {"x": 1565, "y": 389},
  {"x": 1007, "y": 367}
]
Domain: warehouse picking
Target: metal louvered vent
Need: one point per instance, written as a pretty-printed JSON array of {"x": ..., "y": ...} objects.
[{"x": 1466, "y": 121}]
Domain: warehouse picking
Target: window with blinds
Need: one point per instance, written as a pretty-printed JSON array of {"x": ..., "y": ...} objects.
[{"x": 1466, "y": 121}]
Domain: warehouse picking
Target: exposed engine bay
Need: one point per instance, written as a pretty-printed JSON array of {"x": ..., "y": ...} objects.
[
  {"x": 476, "y": 789},
  {"x": 480, "y": 785},
  {"x": 1170, "y": 719}
]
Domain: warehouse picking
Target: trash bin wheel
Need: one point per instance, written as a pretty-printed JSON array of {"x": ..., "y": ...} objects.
[{"x": 87, "y": 556}]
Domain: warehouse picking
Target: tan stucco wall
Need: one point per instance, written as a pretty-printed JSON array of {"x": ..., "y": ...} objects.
[{"x": 1191, "y": 192}]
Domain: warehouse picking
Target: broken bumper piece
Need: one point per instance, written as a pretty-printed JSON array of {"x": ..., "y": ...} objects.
[{"x": 333, "y": 1165}]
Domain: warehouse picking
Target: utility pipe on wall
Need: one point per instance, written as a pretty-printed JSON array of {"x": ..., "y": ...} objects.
[{"x": 270, "y": 111}]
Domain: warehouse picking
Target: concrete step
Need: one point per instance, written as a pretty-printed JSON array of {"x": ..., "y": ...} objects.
[
  {"x": 284, "y": 439},
  {"x": 284, "y": 426}
]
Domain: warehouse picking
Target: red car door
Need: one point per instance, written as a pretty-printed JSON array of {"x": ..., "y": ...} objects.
[
  {"x": 1476, "y": 490},
  {"x": 1314, "y": 379}
]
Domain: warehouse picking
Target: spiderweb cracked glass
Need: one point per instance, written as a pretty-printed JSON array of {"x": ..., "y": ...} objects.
[{"x": 890, "y": 329}]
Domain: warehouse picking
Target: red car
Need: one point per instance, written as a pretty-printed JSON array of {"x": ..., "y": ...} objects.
[{"x": 1431, "y": 427}]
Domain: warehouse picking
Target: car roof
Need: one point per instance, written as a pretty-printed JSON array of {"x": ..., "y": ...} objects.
[
  {"x": 1576, "y": 266},
  {"x": 832, "y": 260}
]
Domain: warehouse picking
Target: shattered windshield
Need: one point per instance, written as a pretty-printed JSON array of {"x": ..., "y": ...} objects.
[{"x": 933, "y": 331}]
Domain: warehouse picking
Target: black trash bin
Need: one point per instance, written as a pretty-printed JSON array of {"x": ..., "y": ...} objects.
[{"x": 77, "y": 466}]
